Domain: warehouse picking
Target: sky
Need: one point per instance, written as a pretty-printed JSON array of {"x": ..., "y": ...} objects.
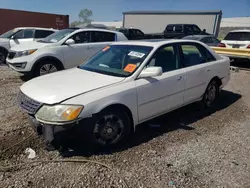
[{"x": 110, "y": 10}]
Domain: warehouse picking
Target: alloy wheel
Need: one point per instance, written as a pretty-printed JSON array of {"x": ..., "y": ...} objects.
[
  {"x": 210, "y": 94},
  {"x": 108, "y": 130},
  {"x": 47, "y": 68}
]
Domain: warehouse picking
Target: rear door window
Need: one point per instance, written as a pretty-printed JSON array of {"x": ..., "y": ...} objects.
[
  {"x": 101, "y": 36},
  {"x": 42, "y": 33},
  {"x": 195, "y": 54},
  {"x": 238, "y": 36}
]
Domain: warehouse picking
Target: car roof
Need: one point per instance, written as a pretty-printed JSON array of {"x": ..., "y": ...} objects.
[
  {"x": 240, "y": 30},
  {"x": 41, "y": 28},
  {"x": 96, "y": 29},
  {"x": 181, "y": 24},
  {"x": 153, "y": 42},
  {"x": 198, "y": 36}
]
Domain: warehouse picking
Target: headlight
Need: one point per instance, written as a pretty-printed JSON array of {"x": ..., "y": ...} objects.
[
  {"x": 58, "y": 113},
  {"x": 25, "y": 53}
]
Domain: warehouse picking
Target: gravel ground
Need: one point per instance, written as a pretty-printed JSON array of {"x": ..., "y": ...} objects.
[{"x": 191, "y": 147}]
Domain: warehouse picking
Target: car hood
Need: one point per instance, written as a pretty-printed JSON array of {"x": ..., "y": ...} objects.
[
  {"x": 57, "y": 87},
  {"x": 30, "y": 45}
]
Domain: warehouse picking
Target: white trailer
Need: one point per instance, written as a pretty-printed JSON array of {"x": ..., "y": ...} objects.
[{"x": 156, "y": 21}]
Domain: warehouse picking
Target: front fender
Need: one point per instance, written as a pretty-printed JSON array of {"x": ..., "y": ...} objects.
[{"x": 94, "y": 102}]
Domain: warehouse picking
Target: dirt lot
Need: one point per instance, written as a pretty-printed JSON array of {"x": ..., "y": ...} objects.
[{"x": 192, "y": 147}]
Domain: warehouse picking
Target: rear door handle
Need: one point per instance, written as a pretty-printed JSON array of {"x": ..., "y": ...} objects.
[
  {"x": 208, "y": 70},
  {"x": 89, "y": 47},
  {"x": 179, "y": 78}
]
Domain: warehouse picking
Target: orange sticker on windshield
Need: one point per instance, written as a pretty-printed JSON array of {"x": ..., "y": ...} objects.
[
  {"x": 106, "y": 48},
  {"x": 130, "y": 68}
]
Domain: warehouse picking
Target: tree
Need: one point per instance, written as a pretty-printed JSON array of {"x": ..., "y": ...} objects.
[
  {"x": 84, "y": 15},
  {"x": 75, "y": 23}
]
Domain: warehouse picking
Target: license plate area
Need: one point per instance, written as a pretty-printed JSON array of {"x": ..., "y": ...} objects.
[{"x": 236, "y": 46}]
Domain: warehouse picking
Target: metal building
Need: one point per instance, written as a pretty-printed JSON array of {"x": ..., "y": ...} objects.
[{"x": 156, "y": 21}]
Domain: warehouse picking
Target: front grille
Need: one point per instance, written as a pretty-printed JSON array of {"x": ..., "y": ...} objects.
[
  {"x": 27, "y": 104},
  {"x": 11, "y": 55}
]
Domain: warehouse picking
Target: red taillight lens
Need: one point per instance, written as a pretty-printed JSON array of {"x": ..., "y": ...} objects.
[
  {"x": 248, "y": 46},
  {"x": 221, "y": 45}
]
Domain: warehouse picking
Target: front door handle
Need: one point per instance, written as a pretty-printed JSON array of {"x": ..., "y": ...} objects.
[
  {"x": 208, "y": 70},
  {"x": 179, "y": 78},
  {"x": 89, "y": 47}
]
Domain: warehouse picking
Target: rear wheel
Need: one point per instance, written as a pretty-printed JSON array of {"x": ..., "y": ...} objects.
[
  {"x": 109, "y": 128},
  {"x": 46, "y": 67},
  {"x": 3, "y": 55},
  {"x": 211, "y": 94}
]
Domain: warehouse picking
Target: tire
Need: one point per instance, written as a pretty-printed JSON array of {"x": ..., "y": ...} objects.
[
  {"x": 3, "y": 55},
  {"x": 211, "y": 94},
  {"x": 103, "y": 133},
  {"x": 46, "y": 67}
]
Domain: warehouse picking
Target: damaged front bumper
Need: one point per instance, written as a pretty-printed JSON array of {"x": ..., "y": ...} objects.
[{"x": 51, "y": 133}]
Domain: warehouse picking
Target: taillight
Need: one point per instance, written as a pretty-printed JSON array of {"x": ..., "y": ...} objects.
[
  {"x": 248, "y": 46},
  {"x": 221, "y": 45}
]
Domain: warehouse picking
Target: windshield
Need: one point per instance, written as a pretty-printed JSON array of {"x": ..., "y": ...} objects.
[
  {"x": 240, "y": 36},
  {"x": 57, "y": 36},
  {"x": 8, "y": 34},
  {"x": 117, "y": 60}
]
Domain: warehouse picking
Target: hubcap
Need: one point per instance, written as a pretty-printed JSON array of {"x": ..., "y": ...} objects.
[
  {"x": 108, "y": 130},
  {"x": 2, "y": 57},
  {"x": 47, "y": 68},
  {"x": 211, "y": 94}
]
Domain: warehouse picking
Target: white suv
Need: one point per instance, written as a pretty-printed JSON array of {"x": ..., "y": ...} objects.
[
  {"x": 236, "y": 39},
  {"x": 21, "y": 35},
  {"x": 64, "y": 49}
]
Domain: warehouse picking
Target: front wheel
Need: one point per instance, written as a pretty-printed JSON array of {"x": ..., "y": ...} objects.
[
  {"x": 109, "y": 128},
  {"x": 3, "y": 56},
  {"x": 211, "y": 94},
  {"x": 44, "y": 68}
]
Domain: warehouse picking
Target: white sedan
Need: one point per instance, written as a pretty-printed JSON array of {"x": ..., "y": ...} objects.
[{"x": 123, "y": 85}]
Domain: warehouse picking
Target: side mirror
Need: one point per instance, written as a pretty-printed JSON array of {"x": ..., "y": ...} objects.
[
  {"x": 13, "y": 37},
  {"x": 204, "y": 30},
  {"x": 70, "y": 42},
  {"x": 151, "y": 72}
]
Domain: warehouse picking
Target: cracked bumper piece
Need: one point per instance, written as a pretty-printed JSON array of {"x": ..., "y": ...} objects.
[{"x": 51, "y": 132}]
